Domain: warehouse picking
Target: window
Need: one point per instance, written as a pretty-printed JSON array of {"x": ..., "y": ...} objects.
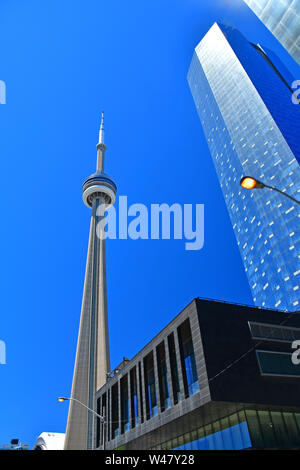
[
  {"x": 124, "y": 405},
  {"x": 267, "y": 429},
  {"x": 115, "y": 411},
  {"x": 254, "y": 429},
  {"x": 141, "y": 392},
  {"x": 277, "y": 363},
  {"x": 163, "y": 377},
  {"x": 292, "y": 430},
  {"x": 279, "y": 428},
  {"x": 273, "y": 429},
  {"x": 230, "y": 433},
  {"x": 189, "y": 370},
  {"x": 134, "y": 398},
  {"x": 103, "y": 412},
  {"x": 273, "y": 332},
  {"x": 150, "y": 386},
  {"x": 174, "y": 369}
]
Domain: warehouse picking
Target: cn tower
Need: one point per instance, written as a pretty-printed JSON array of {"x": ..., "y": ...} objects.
[{"x": 92, "y": 361}]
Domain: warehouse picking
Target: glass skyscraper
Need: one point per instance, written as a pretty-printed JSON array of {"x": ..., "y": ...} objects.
[
  {"x": 243, "y": 99},
  {"x": 282, "y": 18}
]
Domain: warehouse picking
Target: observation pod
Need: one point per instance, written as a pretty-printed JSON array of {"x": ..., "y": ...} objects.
[{"x": 99, "y": 185}]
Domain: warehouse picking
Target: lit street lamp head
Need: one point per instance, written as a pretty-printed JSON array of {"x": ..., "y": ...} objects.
[
  {"x": 248, "y": 182},
  {"x": 61, "y": 399}
]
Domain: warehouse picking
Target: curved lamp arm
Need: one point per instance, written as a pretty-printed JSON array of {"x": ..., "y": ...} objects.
[{"x": 61, "y": 399}]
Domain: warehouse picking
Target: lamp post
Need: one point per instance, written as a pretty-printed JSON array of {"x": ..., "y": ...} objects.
[
  {"x": 248, "y": 182},
  {"x": 102, "y": 419}
]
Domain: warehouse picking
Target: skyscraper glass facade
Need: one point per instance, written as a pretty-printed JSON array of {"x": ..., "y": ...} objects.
[
  {"x": 282, "y": 18},
  {"x": 244, "y": 103}
]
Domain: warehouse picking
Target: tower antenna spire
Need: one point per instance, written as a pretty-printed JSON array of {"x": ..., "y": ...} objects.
[
  {"x": 101, "y": 133},
  {"x": 101, "y": 146}
]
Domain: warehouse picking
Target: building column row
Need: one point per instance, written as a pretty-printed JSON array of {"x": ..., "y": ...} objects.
[{"x": 141, "y": 390}]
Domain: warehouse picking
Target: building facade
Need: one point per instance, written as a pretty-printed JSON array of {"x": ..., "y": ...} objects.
[
  {"x": 92, "y": 361},
  {"x": 282, "y": 18},
  {"x": 243, "y": 98},
  {"x": 218, "y": 376}
]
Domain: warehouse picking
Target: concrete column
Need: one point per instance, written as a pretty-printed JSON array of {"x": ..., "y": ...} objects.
[
  {"x": 179, "y": 367},
  {"x": 119, "y": 405},
  {"x": 196, "y": 339},
  {"x": 99, "y": 411},
  {"x": 110, "y": 414},
  {"x": 104, "y": 425},
  {"x": 129, "y": 398},
  {"x": 143, "y": 390}
]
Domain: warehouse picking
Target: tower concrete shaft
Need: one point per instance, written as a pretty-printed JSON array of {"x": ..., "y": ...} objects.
[{"x": 92, "y": 361}]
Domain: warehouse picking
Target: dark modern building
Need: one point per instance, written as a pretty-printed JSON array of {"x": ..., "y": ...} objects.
[{"x": 218, "y": 376}]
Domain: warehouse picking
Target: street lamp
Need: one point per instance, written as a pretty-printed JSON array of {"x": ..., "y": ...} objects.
[
  {"x": 61, "y": 399},
  {"x": 102, "y": 419},
  {"x": 248, "y": 182}
]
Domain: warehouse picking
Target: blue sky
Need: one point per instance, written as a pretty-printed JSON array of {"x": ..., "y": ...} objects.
[{"x": 62, "y": 63}]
